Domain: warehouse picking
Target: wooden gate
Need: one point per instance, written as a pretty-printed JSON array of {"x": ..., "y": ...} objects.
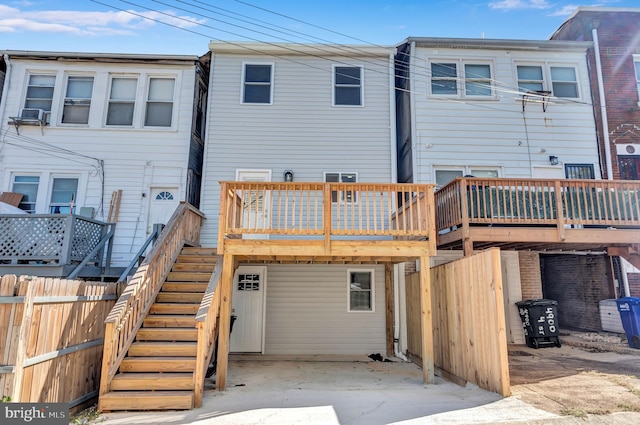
[{"x": 469, "y": 334}]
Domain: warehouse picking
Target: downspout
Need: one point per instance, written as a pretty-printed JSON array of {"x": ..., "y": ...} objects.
[
  {"x": 398, "y": 278},
  {"x": 412, "y": 102},
  {"x": 603, "y": 106}
]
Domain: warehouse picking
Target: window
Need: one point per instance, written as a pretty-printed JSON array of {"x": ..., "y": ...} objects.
[
  {"x": 40, "y": 92},
  {"x": 122, "y": 99},
  {"x": 257, "y": 83},
  {"x": 475, "y": 76},
  {"x": 579, "y": 171},
  {"x": 563, "y": 80},
  {"x": 164, "y": 196},
  {"x": 444, "y": 176},
  {"x": 248, "y": 282},
  {"x": 343, "y": 195},
  {"x": 77, "y": 101},
  {"x": 159, "y": 102},
  {"x": 347, "y": 85},
  {"x": 63, "y": 195},
  {"x": 361, "y": 293},
  {"x": 637, "y": 65},
  {"x": 444, "y": 78},
  {"x": 28, "y": 186},
  {"x": 629, "y": 167}
]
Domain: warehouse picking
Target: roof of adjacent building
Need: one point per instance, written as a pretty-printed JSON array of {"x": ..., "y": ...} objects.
[
  {"x": 498, "y": 44},
  {"x": 299, "y": 49},
  {"x": 99, "y": 57}
]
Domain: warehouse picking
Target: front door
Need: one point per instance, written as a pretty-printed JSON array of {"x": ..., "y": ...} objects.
[
  {"x": 255, "y": 204},
  {"x": 164, "y": 201},
  {"x": 249, "y": 290}
]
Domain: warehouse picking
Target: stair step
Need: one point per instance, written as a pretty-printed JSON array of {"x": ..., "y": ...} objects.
[
  {"x": 184, "y": 287},
  {"x": 189, "y": 277},
  {"x": 179, "y": 297},
  {"x": 152, "y": 381},
  {"x": 167, "y": 334},
  {"x": 169, "y": 321},
  {"x": 160, "y": 348},
  {"x": 196, "y": 259},
  {"x": 169, "y": 308},
  {"x": 158, "y": 364},
  {"x": 146, "y": 400},
  {"x": 193, "y": 267},
  {"x": 198, "y": 250}
]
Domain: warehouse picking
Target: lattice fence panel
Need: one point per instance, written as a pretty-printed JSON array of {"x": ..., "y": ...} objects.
[
  {"x": 86, "y": 235},
  {"x": 31, "y": 238}
]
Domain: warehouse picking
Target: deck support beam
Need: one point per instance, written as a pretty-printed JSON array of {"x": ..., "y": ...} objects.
[
  {"x": 226, "y": 285},
  {"x": 426, "y": 320}
]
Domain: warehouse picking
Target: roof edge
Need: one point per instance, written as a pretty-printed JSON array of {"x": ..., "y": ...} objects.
[{"x": 500, "y": 44}]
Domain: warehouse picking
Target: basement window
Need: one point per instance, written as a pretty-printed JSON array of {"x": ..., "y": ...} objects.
[{"x": 361, "y": 290}]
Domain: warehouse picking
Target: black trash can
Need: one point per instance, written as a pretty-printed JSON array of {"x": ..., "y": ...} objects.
[{"x": 540, "y": 322}]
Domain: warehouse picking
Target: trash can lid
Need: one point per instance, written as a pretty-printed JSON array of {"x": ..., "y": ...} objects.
[
  {"x": 541, "y": 301},
  {"x": 630, "y": 300}
]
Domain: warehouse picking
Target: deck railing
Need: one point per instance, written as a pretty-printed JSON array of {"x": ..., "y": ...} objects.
[
  {"x": 323, "y": 210},
  {"x": 52, "y": 238},
  {"x": 557, "y": 202},
  {"x": 127, "y": 315}
]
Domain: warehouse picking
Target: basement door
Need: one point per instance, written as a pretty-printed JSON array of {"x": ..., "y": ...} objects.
[
  {"x": 255, "y": 203},
  {"x": 249, "y": 290}
]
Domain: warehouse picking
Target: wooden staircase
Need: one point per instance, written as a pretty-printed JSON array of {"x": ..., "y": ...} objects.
[{"x": 158, "y": 370}]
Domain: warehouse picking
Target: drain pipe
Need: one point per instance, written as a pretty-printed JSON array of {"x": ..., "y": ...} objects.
[{"x": 399, "y": 274}]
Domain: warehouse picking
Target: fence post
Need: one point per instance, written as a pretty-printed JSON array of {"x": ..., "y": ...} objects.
[
  {"x": 65, "y": 253},
  {"x": 25, "y": 329}
]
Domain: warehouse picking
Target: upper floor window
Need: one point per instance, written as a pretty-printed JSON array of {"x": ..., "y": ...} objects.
[
  {"x": 77, "y": 101},
  {"x": 475, "y": 79},
  {"x": 122, "y": 100},
  {"x": 637, "y": 66},
  {"x": 159, "y": 102},
  {"x": 40, "y": 92},
  {"x": 257, "y": 83},
  {"x": 561, "y": 81},
  {"x": 347, "y": 89},
  {"x": 28, "y": 187},
  {"x": 344, "y": 195}
]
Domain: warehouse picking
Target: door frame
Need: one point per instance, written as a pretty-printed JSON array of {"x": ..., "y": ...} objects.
[
  {"x": 175, "y": 191},
  {"x": 256, "y": 269}
]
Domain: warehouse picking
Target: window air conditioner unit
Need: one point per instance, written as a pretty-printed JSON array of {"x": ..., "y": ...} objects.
[{"x": 32, "y": 114}]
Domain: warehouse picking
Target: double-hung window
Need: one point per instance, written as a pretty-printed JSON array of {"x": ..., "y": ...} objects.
[
  {"x": 40, "y": 92},
  {"x": 444, "y": 78},
  {"x": 77, "y": 101},
  {"x": 460, "y": 78},
  {"x": 361, "y": 290},
  {"x": 257, "y": 83},
  {"x": 28, "y": 187},
  {"x": 477, "y": 79},
  {"x": 122, "y": 100},
  {"x": 159, "y": 102},
  {"x": 63, "y": 195},
  {"x": 347, "y": 89},
  {"x": 342, "y": 195},
  {"x": 561, "y": 81}
]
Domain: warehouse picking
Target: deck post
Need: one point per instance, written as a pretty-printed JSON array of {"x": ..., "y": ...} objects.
[
  {"x": 388, "y": 297},
  {"x": 559, "y": 211},
  {"x": 426, "y": 320},
  {"x": 327, "y": 219},
  {"x": 226, "y": 285}
]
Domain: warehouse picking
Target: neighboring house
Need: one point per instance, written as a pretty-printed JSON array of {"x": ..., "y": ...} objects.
[
  {"x": 514, "y": 110},
  {"x": 615, "y": 82},
  {"x": 301, "y": 113},
  {"x": 77, "y": 127}
]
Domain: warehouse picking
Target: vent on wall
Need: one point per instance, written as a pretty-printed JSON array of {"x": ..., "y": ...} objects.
[{"x": 628, "y": 149}]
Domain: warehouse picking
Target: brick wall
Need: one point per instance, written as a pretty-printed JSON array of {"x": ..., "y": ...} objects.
[
  {"x": 578, "y": 283},
  {"x": 634, "y": 284},
  {"x": 530, "y": 275}
]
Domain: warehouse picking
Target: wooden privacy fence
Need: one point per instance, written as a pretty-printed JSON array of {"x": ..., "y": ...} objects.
[
  {"x": 469, "y": 334},
  {"x": 51, "y": 338}
]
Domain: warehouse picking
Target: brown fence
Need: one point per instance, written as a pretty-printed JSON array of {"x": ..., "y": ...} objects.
[
  {"x": 51, "y": 338},
  {"x": 469, "y": 335}
]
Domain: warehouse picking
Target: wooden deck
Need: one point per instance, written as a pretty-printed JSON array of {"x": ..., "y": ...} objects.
[{"x": 537, "y": 214}]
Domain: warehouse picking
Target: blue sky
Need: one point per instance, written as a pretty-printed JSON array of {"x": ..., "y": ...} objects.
[{"x": 117, "y": 26}]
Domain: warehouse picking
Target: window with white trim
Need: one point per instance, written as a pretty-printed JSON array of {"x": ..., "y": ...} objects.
[
  {"x": 444, "y": 78},
  {"x": 257, "y": 83},
  {"x": 28, "y": 187},
  {"x": 122, "y": 101},
  {"x": 637, "y": 66},
  {"x": 159, "y": 102},
  {"x": 77, "y": 101},
  {"x": 561, "y": 81},
  {"x": 63, "y": 195},
  {"x": 347, "y": 85},
  {"x": 40, "y": 92},
  {"x": 344, "y": 195},
  {"x": 361, "y": 292},
  {"x": 474, "y": 77},
  {"x": 445, "y": 175}
]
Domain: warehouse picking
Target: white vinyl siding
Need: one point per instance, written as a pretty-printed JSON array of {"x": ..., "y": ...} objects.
[{"x": 306, "y": 312}]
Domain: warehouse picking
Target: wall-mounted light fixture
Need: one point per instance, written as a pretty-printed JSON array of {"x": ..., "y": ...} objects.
[
  {"x": 288, "y": 175},
  {"x": 553, "y": 160}
]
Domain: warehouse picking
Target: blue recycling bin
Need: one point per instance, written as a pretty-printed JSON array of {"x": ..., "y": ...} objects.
[{"x": 629, "y": 308}]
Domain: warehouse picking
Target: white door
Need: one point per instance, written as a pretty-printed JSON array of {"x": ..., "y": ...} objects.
[
  {"x": 164, "y": 201},
  {"x": 249, "y": 290},
  {"x": 255, "y": 203}
]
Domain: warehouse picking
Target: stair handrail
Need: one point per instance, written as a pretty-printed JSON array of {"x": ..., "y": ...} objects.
[
  {"x": 126, "y": 317},
  {"x": 207, "y": 324},
  {"x": 157, "y": 229}
]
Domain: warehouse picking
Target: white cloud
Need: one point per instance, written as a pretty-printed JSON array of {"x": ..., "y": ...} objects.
[
  {"x": 565, "y": 11},
  {"x": 520, "y": 4},
  {"x": 88, "y": 23}
]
